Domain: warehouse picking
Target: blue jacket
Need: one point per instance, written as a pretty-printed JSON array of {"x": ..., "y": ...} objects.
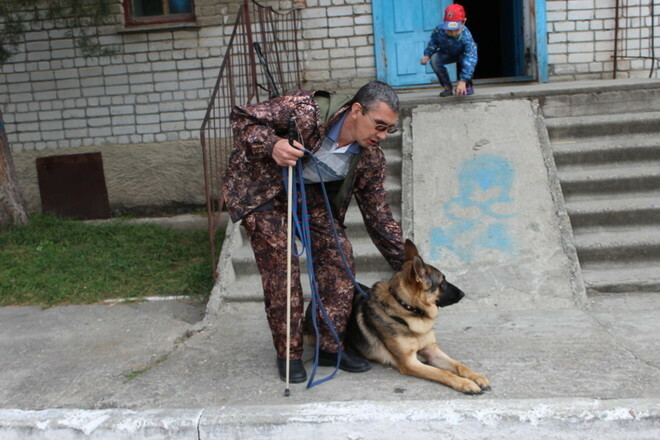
[{"x": 462, "y": 47}]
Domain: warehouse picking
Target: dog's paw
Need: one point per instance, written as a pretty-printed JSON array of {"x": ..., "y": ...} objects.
[
  {"x": 483, "y": 383},
  {"x": 466, "y": 386}
]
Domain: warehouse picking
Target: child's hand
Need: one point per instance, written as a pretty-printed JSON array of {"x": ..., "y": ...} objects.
[
  {"x": 424, "y": 60},
  {"x": 460, "y": 88}
]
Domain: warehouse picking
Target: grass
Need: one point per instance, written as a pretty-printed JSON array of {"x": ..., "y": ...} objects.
[
  {"x": 135, "y": 373},
  {"x": 55, "y": 261}
]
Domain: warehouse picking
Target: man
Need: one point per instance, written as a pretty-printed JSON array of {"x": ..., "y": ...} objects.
[{"x": 344, "y": 134}]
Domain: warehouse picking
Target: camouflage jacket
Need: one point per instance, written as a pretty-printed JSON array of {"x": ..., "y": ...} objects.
[{"x": 252, "y": 177}]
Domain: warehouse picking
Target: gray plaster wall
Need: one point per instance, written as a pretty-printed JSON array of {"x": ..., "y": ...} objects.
[
  {"x": 137, "y": 176},
  {"x": 484, "y": 204}
]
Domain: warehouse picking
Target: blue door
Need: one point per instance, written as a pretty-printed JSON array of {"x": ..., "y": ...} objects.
[
  {"x": 508, "y": 49},
  {"x": 402, "y": 29}
]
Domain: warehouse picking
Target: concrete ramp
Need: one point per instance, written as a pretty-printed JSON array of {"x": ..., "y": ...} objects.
[{"x": 484, "y": 205}]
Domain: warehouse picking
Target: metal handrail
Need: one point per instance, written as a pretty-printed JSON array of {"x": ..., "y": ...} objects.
[
  {"x": 630, "y": 34},
  {"x": 241, "y": 82}
]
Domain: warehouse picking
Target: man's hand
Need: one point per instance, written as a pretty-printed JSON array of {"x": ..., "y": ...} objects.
[
  {"x": 460, "y": 88},
  {"x": 424, "y": 60},
  {"x": 285, "y": 155}
]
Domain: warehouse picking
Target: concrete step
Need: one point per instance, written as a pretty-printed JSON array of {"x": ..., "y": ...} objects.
[
  {"x": 606, "y": 279},
  {"x": 394, "y": 165},
  {"x": 354, "y": 216},
  {"x": 354, "y": 223},
  {"x": 609, "y": 170},
  {"x": 248, "y": 287},
  {"x": 366, "y": 257},
  {"x": 603, "y": 102},
  {"x": 610, "y": 178},
  {"x": 355, "y": 230},
  {"x": 370, "y": 264},
  {"x": 629, "y": 244},
  {"x": 643, "y": 209},
  {"x": 571, "y": 127},
  {"x": 620, "y": 149},
  {"x": 392, "y": 143}
]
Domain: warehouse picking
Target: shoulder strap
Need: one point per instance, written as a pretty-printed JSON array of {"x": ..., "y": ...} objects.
[{"x": 329, "y": 103}]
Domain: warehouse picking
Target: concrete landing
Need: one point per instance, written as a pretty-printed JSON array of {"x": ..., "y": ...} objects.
[
  {"x": 134, "y": 371},
  {"x": 562, "y": 366}
]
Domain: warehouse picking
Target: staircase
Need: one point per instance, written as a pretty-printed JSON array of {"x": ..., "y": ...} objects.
[
  {"x": 607, "y": 152},
  {"x": 606, "y": 147},
  {"x": 245, "y": 282}
]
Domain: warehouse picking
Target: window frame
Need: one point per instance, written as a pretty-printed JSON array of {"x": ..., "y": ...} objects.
[{"x": 130, "y": 20}]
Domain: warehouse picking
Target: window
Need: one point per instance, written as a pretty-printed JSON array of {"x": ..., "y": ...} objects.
[{"x": 158, "y": 11}]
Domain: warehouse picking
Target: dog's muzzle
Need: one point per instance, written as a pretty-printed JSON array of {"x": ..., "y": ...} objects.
[{"x": 450, "y": 295}]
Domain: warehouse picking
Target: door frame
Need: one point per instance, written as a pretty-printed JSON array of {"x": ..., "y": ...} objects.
[
  {"x": 541, "y": 36},
  {"x": 379, "y": 37}
]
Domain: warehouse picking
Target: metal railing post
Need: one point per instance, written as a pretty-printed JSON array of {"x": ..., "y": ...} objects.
[{"x": 238, "y": 84}]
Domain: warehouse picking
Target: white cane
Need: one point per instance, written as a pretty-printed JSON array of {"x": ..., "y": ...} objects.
[
  {"x": 287, "y": 392},
  {"x": 289, "y": 245}
]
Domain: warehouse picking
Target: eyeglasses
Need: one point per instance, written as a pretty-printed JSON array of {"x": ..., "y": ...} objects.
[{"x": 382, "y": 127}]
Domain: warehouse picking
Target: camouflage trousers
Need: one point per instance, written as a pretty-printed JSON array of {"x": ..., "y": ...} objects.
[{"x": 267, "y": 231}]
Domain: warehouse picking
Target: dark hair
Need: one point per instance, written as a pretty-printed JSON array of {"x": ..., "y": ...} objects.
[{"x": 374, "y": 92}]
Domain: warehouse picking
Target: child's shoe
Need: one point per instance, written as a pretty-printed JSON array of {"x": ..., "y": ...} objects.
[
  {"x": 446, "y": 92},
  {"x": 469, "y": 90}
]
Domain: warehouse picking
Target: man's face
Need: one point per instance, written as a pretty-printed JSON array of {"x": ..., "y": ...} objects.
[{"x": 372, "y": 126}]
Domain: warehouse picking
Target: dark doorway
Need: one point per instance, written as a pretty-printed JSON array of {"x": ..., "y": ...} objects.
[{"x": 497, "y": 28}]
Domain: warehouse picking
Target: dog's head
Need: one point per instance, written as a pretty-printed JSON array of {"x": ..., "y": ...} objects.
[{"x": 429, "y": 280}]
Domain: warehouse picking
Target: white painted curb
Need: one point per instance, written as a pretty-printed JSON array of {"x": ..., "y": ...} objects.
[{"x": 637, "y": 419}]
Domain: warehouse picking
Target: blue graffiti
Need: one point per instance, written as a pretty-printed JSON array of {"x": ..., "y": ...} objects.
[{"x": 477, "y": 216}]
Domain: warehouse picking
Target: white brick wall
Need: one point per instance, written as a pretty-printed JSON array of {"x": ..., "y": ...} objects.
[
  {"x": 581, "y": 38},
  {"x": 158, "y": 88},
  {"x": 580, "y": 41},
  {"x": 338, "y": 44}
]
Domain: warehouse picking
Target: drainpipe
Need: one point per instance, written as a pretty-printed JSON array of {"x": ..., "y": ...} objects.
[
  {"x": 653, "y": 60},
  {"x": 616, "y": 37}
]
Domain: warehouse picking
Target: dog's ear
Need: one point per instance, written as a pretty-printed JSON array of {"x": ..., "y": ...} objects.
[
  {"x": 419, "y": 271},
  {"x": 410, "y": 250}
]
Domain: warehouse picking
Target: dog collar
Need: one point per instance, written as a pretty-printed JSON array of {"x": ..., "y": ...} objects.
[
  {"x": 400, "y": 320},
  {"x": 411, "y": 309}
]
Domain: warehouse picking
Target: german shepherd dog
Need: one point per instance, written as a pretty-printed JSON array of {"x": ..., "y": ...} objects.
[{"x": 394, "y": 326}]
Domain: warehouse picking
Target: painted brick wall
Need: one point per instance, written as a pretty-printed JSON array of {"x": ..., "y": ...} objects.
[
  {"x": 338, "y": 44},
  {"x": 581, "y": 36},
  {"x": 158, "y": 89}
]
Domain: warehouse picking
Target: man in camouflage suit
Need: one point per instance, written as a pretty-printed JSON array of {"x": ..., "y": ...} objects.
[{"x": 343, "y": 133}]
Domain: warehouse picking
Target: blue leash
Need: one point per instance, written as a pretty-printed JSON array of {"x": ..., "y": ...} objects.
[{"x": 304, "y": 235}]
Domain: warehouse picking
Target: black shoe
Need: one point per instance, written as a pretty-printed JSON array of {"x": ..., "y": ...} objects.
[
  {"x": 297, "y": 373},
  {"x": 350, "y": 362},
  {"x": 446, "y": 92}
]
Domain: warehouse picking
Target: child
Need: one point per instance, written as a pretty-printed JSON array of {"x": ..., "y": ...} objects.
[{"x": 451, "y": 42}]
